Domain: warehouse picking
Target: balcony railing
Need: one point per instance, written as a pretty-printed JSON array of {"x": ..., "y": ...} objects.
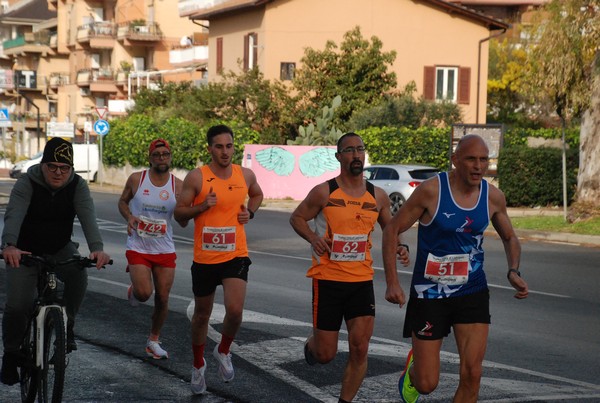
[
  {"x": 190, "y": 55},
  {"x": 96, "y": 29},
  {"x": 87, "y": 76},
  {"x": 136, "y": 31},
  {"x": 29, "y": 39},
  {"x": 57, "y": 79}
]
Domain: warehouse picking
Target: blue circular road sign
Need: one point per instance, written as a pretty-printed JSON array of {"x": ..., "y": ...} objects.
[{"x": 101, "y": 127}]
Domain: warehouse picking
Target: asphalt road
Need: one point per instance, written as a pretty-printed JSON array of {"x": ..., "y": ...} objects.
[{"x": 542, "y": 349}]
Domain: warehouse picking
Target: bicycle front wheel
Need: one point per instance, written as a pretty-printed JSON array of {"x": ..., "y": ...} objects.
[
  {"x": 52, "y": 377},
  {"x": 29, "y": 372}
]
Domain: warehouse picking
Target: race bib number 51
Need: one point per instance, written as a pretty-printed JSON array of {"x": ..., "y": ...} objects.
[
  {"x": 151, "y": 227},
  {"x": 447, "y": 270},
  {"x": 349, "y": 248},
  {"x": 220, "y": 239}
]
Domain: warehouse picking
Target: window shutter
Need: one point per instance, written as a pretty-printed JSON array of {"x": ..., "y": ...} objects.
[
  {"x": 246, "y": 52},
  {"x": 219, "y": 55},
  {"x": 464, "y": 85},
  {"x": 429, "y": 83}
]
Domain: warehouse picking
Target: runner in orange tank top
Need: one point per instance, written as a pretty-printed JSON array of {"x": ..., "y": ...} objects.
[
  {"x": 214, "y": 196},
  {"x": 345, "y": 210}
]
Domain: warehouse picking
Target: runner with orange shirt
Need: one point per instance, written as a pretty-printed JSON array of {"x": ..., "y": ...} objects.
[{"x": 345, "y": 210}]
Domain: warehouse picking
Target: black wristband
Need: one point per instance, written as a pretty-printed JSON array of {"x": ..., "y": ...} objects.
[
  {"x": 513, "y": 271},
  {"x": 251, "y": 213},
  {"x": 406, "y": 246}
]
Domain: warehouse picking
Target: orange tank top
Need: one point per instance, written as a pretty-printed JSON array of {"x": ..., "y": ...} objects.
[
  {"x": 348, "y": 222},
  {"x": 218, "y": 236}
]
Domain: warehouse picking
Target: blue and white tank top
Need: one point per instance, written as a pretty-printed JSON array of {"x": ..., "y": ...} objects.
[
  {"x": 154, "y": 206},
  {"x": 449, "y": 260}
]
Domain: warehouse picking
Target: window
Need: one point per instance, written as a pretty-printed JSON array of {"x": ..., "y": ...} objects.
[
  {"x": 250, "y": 51},
  {"x": 287, "y": 71},
  {"x": 447, "y": 83},
  {"x": 387, "y": 174}
]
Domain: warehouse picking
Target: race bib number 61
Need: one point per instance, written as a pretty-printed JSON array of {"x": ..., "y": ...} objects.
[
  {"x": 218, "y": 239},
  {"x": 447, "y": 270}
]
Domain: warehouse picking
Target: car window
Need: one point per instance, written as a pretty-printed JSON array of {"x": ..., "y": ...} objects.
[
  {"x": 387, "y": 174},
  {"x": 369, "y": 173},
  {"x": 423, "y": 174}
]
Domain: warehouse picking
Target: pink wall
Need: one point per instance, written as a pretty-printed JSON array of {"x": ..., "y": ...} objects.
[{"x": 290, "y": 171}]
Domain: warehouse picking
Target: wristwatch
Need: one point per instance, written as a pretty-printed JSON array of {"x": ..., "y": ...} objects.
[
  {"x": 251, "y": 213},
  {"x": 513, "y": 271}
]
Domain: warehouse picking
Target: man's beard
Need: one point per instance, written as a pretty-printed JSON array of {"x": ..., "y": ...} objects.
[
  {"x": 356, "y": 168},
  {"x": 162, "y": 168}
]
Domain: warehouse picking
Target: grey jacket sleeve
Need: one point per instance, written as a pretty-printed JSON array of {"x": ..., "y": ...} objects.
[
  {"x": 86, "y": 212},
  {"x": 18, "y": 204}
]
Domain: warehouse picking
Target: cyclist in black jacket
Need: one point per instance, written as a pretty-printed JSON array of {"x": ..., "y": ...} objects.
[{"x": 39, "y": 220}]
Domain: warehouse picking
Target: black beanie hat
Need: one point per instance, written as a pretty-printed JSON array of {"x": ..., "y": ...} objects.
[{"x": 58, "y": 150}]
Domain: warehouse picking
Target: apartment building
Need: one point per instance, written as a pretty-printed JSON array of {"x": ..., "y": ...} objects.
[{"x": 80, "y": 56}]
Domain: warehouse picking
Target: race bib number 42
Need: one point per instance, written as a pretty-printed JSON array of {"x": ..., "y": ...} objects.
[
  {"x": 349, "y": 248},
  {"x": 447, "y": 270},
  {"x": 151, "y": 227},
  {"x": 220, "y": 239}
]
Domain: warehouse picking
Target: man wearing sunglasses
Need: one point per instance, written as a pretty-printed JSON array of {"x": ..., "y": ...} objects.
[
  {"x": 147, "y": 204},
  {"x": 39, "y": 220}
]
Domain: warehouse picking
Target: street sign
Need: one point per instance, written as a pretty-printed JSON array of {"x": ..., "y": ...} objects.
[
  {"x": 101, "y": 111},
  {"x": 4, "y": 118},
  {"x": 60, "y": 129},
  {"x": 101, "y": 127}
]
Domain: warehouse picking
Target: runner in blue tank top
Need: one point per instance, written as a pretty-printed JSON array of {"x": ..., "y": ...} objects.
[{"x": 449, "y": 289}]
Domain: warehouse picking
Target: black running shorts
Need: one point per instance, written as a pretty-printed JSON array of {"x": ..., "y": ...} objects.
[
  {"x": 333, "y": 301},
  {"x": 432, "y": 319},
  {"x": 206, "y": 277}
]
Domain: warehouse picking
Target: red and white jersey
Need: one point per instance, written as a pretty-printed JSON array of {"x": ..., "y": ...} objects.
[{"x": 154, "y": 206}]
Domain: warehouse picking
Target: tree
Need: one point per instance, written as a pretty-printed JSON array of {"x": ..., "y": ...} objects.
[
  {"x": 357, "y": 70},
  {"x": 588, "y": 180},
  {"x": 507, "y": 96},
  {"x": 563, "y": 70}
]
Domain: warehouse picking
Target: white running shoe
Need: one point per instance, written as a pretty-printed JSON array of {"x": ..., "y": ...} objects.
[
  {"x": 154, "y": 350},
  {"x": 132, "y": 299},
  {"x": 198, "y": 384},
  {"x": 225, "y": 366}
]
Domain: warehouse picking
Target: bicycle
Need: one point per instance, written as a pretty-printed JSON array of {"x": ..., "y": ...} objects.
[{"x": 44, "y": 347}]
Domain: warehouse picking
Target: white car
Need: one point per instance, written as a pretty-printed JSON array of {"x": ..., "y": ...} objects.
[
  {"x": 22, "y": 166},
  {"x": 398, "y": 181}
]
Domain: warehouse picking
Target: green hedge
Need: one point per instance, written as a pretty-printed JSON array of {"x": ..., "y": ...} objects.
[
  {"x": 528, "y": 177},
  {"x": 128, "y": 141},
  {"x": 533, "y": 176},
  {"x": 401, "y": 145}
]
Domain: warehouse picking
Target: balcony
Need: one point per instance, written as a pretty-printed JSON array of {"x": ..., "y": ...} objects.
[
  {"x": 97, "y": 80},
  {"x": 98, "y": 34},
  {"x": 139, "y": 32},
  {"x": 30, "y": 42},
  {"x": 188, "y": 56},
  {"x": 28, "y": 120},
  {"x": 56, "y": 80}
]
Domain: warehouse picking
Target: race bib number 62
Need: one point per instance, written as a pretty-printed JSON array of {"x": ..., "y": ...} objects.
[
  {"x": 349, "y": 248},
  {"x": 448, "y": 270}
]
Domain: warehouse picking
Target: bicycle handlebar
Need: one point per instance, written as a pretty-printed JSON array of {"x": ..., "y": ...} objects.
[{"x": 84, "y": 261}]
